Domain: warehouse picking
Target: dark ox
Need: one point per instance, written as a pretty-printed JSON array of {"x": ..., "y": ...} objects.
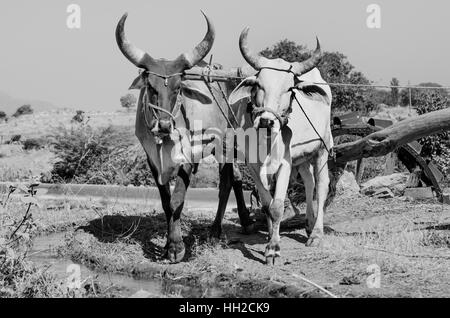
[{"x": 166, "y": 104}]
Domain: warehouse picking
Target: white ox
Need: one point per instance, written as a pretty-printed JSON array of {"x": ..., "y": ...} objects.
[{"x": 301, "y": 139}]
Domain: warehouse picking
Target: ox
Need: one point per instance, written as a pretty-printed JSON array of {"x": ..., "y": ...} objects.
[
  {"x": 292, "y": 103},
  {"x": 168, "y": 103}
]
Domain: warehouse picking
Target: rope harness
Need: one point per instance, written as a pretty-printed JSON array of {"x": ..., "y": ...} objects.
[
  {"x": 154, "y": 108},
  {"x": 283, "y": 117}
]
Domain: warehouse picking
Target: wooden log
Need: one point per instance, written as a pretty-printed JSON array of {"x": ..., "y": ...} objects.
[
  {"x": 382, "y": 142},
  {"x": 236, "y": 73}
]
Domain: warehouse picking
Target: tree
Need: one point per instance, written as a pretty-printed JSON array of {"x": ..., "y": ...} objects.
[
  {"x": 335, "y": 68},
  {"x": 3, "y": 116},
  {"x": 429, "y": 101},
  {"x": 415, "y": 92},
  {"x": 128, "y": 101},
  {"x": 286, "y": 50},
  {"x": 395, "y": 96},
  {"x": 23, "y": 110},
  {"x": 79, "y": 117}
]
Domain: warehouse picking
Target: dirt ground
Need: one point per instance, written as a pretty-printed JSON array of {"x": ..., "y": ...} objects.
[{"x": 406, "y": 243}]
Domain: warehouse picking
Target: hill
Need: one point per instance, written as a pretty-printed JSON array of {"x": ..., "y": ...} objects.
[{"x": 9, "y": 104}]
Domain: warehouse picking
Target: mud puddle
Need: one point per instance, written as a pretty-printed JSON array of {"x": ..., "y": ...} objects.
[{"x": 44, "y": 254}]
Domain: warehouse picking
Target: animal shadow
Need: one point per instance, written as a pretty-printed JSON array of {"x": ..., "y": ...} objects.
[{"x": 141, "y": 229}]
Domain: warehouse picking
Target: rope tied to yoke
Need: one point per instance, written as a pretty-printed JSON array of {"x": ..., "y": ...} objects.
[{"x": 283, "y": 117}]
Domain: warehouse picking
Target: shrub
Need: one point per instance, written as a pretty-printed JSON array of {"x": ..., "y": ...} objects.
[
  {"x": 99, "y": 156},
  {"x": 23, "y": 110},
  {"x": 436, "y": 147},
  {"x": 128, "y": 101},
  {"x": 33, "y": 143},
  {"x": 79, "y": 117},
  {"x": 3, "y": 116},
  {"x": 14, "y": 138}
]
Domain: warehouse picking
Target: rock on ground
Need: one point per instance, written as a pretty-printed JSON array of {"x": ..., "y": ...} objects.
[
  {"x": 347, "y": 185},
  {"x": 395, "y": 182}
]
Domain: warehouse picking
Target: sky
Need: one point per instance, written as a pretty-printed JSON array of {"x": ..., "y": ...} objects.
[{"x": 41, "y": 58}]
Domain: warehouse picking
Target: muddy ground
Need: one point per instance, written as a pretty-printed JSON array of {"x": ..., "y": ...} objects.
[{"x": 408, "y": 242}]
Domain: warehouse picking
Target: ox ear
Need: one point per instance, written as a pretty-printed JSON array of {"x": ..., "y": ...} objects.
[
  {"x": 194, "y": 93},
  {"x": 138, "y": 83},
  {"x": 243, "y": 90},
  {"x": 312, "y": 91}
]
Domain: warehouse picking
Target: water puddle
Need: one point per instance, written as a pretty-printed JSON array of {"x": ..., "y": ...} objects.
[{"x": 44, "y": 254}]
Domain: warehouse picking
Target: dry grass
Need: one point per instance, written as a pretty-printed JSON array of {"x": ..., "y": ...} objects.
[
  {"x": 408, "y": 241},
  {"x": 17, "y": 164}
]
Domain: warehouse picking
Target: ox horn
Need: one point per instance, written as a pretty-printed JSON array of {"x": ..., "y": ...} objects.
[
  {"x": 131, "y": 52},
  {"x": 203, "y": 48},
  {"x": 300, "y": 68},
  {"x": 255, "y": 60}
]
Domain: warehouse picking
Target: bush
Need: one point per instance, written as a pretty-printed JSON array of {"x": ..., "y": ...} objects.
[
  {"x": 416, "y": 98},
  {"x": 3, "y": 116},
  {"x": 99, "y": 156},
  {"x": 436, "y": 147},
  {"x": 128, "y": 101},
  {"x": 14, "y": 138},
  {"x": 33, "y": 143},
  {"x": 23, "y": 110},
  {"x": 79, "y": 117}
]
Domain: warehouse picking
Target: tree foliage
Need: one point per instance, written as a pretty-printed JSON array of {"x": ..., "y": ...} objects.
[
  {"x": 128, "y": 101},
  {"x": 428, "y": 101},
  {"x": 395, "y": 94},
  {"x": 23, "y": 110},
  {"x": 416, "y": 94}
]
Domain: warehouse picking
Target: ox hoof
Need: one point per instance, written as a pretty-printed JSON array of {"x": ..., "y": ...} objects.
[
  {"x": 249, "y": 229},
  {"x": 314, "y": 241},
  {"x": 214, "y": 234},
  {"x": 272, "y": 253},
  {"x": 271, "y": 260},
  {"x": 175, "y": 252}
]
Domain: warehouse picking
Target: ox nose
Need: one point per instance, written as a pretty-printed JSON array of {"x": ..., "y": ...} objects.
[
  {"x": 165, "y": 126},
  {"x": 266, "y": 123}
]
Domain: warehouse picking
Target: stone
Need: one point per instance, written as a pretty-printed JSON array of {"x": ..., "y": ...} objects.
[
  {"x": 395, "y": 182},
  {"x": 419, "y": 193},
  {"x": 383, "y": 193},
  {"x": 446, "y": 198},
  {"x": 347, "y": 185}
]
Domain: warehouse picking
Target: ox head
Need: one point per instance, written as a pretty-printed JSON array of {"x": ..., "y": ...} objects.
[
  {"x": 162, "y": 78},
  {"x": 271, "y": 89}
]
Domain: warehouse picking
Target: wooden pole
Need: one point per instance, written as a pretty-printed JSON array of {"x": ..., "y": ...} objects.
[{"x": 384, "y": 141}]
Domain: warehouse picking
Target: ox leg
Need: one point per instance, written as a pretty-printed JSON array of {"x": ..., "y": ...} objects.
[
  {"x": 307, "y": 173},
  {"x": 225, "y": 185},
  {"x": 230, "y": 177},
  {"x": 322, "y": 183},
  {"x": 248, "y": 225},
  {"x": 276, "y": 212},
  {"x": 175, "y": 245},
  {"x": 264, "y": 196}
]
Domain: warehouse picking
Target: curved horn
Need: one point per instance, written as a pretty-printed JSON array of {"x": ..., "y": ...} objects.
[
  {"x": 131, "y": 52},
  {"x": 255, "y": 60},
  {"x": 203, "y": 48},
  {"x": 300, "y": 68}
]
